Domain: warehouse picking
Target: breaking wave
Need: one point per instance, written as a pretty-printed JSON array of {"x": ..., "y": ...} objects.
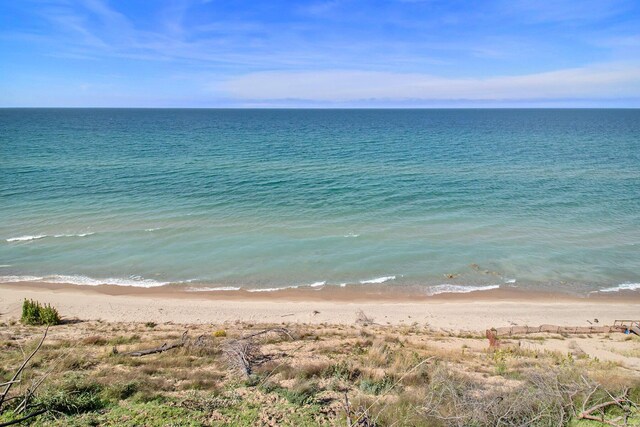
[
  {"x": 42, "y": 236},
  {"x": 135, "y": 281},
  {"x": 378, "y": 280},
  {"x": 622, "y": 287},
  {"x": 458, "y": 289}
]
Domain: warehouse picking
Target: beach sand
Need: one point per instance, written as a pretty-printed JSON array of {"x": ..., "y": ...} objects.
[{"x": 458, "y": 312}]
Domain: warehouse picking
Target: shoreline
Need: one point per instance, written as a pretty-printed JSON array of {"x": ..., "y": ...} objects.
[
  {"x": 474, "y": 311},
  {"x": 354, "y": 293}
]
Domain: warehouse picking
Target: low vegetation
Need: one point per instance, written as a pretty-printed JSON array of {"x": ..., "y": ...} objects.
[
  {"x": 34, "y": 313},
  {"x": 123, "y": 374}
]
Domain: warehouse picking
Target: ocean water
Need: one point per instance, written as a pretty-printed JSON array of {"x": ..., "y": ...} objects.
[{"x": 425, "y": 201}]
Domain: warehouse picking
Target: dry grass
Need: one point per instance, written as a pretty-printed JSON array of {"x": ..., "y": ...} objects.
[{"x": 390, "y": 374}]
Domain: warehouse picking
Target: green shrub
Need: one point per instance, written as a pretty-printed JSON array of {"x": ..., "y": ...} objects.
[{"x": 34, "y": 313}]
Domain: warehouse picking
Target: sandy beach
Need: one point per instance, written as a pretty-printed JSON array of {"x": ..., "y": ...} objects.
[{"x": 464, "y": 312}]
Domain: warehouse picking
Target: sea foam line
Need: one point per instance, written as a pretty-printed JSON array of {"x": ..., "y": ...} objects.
[
  {"x": 74, "y": 235},
  {"x": 622, "y": 287},
  {"x": 309, "y": 285},
  {"x": 457, "y": 289},
  {"x": 15, "y": 279},
  {"x": 134, "y": 281},
  {"x": 378, "y": 280},
  {"x": 220, "y": 288},
  {"x": 273, "y": 289}
]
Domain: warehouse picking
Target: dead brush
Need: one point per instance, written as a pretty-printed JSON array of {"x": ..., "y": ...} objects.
[
  {"x": 363, "y": 319},
  {"x": 542, "y": 398},
  {"x": 243, "y": 354}
]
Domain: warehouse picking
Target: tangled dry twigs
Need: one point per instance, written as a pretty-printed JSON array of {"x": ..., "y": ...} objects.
[{"x": 243, "y": 354}]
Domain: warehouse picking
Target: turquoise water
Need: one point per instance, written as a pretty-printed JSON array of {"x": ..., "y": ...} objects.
[{"x": 421, "y": 200}]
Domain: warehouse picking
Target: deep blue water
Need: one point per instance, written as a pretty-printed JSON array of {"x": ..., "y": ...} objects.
[{"x": 539, "y": 199}]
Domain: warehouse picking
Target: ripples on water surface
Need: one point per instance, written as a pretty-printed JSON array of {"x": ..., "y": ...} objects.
[{"x": 427, "y": 200}]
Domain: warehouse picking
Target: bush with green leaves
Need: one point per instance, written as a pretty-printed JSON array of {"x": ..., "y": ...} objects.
[{"x": 34, "y": 313}]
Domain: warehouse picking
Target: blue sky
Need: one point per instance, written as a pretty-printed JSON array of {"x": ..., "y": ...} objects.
[{"x": 324, "y": 53}]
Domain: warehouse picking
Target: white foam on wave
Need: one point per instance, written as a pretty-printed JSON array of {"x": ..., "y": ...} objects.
[
  {"x": 152, "y": 229},
  {"x": 622, "y": 287},
  {"x": 14, "y": 279},
  {"x": 74, "y": 235},
  {"x": 26, "y": 238},
  {"x": 310, "y": 285},
  {"x": 457, "y": 289},
  {"x": 5, "y": 265},
  {"x": 316, "y": 284},
  {"x": 273, "y": 289},
  {"x": 218, "y": 289},
  {"x": 135, "y": 281},
  {"x": 378, "y": 280},
  {"x": 510, "y": 281},
  {"x": 351, "y": 235},
  {"x": 42, "y": 236}
]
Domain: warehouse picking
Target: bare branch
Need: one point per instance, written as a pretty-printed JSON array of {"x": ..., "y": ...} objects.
[
  {"x": 19, "y": 420},
  {"x": 21, "y": 368},
  {"x": 164, "y": 347}
]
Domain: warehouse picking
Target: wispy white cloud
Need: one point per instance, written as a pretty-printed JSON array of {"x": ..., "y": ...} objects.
[
  {"x": 324, "y": 51},
  {"x": 601, "y": 80}
]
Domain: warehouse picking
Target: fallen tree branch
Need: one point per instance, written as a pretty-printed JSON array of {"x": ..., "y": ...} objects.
[
  {"x": 587, "y": 414},
  {"x": 19, "y": 420},
  {"x": 600, "y": 420},
  {"x": 21, "y": 368},
  {"x": 164, "y": 347}
]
